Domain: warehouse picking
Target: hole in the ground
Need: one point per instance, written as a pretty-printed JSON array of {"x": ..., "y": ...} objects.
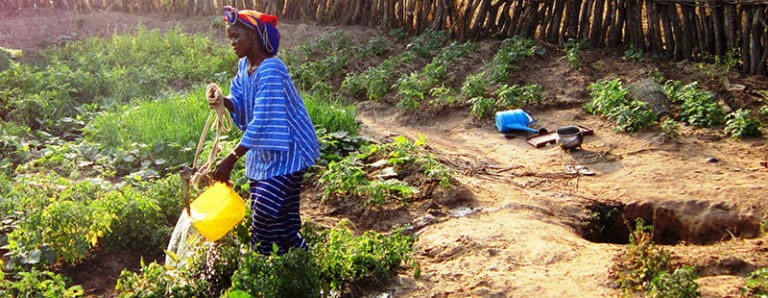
[
  {"x": 673, "y": 222},
  {"x": 605, "y": 224}
]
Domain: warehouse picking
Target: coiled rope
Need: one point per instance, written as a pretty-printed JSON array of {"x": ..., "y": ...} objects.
[{"x": 218, "y": 119}]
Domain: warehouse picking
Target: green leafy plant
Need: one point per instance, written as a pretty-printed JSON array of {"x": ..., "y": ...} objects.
[
  {"x": 756, "y": 284},
  {"x": 680, "y": 283},
  {"x": 346, "y": 259},
  {"x": 517, "y": 96},
  {"x": 345, "y": 177},
  {"x": 633, "y": 53},
  {"x": 350, "y": 176},
  {"x": 572, "y": 55},
  {"x": 306, "y": 74},
  {"x": 66, "y": 222},
  {"x": 645, "y": 267},
  {"x": 611, "y": 99},
  {"x": 741, "y": 124},
  {"x": 107, "y": 72},
  {"x": 336, "y": 145},
  {"x": 670, "y": 128},
  {"x": 763, "y": 111},
  {"x": 156, "y": 280},
  {"x": 379, "y": 191},
  {"x": 293, "y": 274},
  {"x": 427, "y": 42},
  {"x": 435, "y": 170},
  {"x": 475, "y": 85},
  {"x": 483, "y": 107},
  {"x": 411, "y": 90},
  {"x": 377, "y": 80},
  {"x": 414, "y": 87},
  {"x": 377, "y": 46},
  {"x": 697, "y": 107},
  {"x": 36, "y": 283},
  {"x": 443, "y": 95},
  {"x": 510, "y": 51}
]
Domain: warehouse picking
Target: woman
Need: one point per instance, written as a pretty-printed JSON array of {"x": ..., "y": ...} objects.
[{"x": 279, "y": 140}]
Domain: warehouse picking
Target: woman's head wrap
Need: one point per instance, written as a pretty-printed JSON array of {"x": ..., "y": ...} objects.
[{"x": 264, "y": 24}]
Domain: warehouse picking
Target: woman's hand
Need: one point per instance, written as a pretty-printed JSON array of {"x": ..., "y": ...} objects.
[
  {"x": 214, "y": 95},
  {"x": 224, "y": 168}
]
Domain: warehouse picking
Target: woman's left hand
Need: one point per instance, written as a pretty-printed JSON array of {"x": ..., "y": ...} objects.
[{"x": 224, "y": 168}]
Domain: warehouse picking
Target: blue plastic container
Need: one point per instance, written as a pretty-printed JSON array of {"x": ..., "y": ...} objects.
[{"x": 514, "y": 120}]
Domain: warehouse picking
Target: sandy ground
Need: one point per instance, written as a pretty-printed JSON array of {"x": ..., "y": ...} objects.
[{"x": 523, "y": 240}]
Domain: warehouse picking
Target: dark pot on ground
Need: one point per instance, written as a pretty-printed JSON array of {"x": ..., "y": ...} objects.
[{"x": 569, "y": 137}]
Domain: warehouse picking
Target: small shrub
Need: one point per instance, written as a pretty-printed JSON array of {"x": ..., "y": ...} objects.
[
  {"x": 156, "y": 280},
  {"x": 763, "y": 111},
  {"x": 680, "y": 284},
  {"x": 346, "y": 259},
  {"x": 379, "y": 191},
  {"x": 697, "y": 107},
  {"x": 475, "y": 85},
  {"x": 516, "y": 96},
  {"x": 510, "y": 51},
  {"x": 444, "y": 96},
  {"x": 293, "y": 274},
  {"x": 670, "y": 128},
  {"x": 641, "y": 261},
  {"x": 63, "y": 224},
  {"x": 336, "y": 145},
  {"x": 633, "y": 53},
  {"x": 741, "y": 124},
  {"x": 428, "y": 42},
  {"x": 345, "y": 177},
  {"x": 612, "y": 100},
  {"x": 756, "y": 284},
  {"x": 36, "y": 283},
  {"x": 483, "y": 107},
  {"x": 572, "y": 48}
]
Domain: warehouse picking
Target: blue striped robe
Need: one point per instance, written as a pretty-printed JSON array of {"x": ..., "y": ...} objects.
[{"x": 278, "y": 130}]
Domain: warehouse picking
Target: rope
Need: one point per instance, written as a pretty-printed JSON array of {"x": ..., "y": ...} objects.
[{"x": 217, "y": 119}]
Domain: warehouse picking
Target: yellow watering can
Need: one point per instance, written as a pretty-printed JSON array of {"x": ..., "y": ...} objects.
[{"x": 216, "y": 211}]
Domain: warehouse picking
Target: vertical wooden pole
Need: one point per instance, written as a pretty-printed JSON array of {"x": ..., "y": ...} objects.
[
  {"x": 597, "y": 21},
  {"x": 586, "y": 10},
  {"x": 674, "y": 17},
  {"x": 556, "y": 20},
  {"x": 615, "y": 37},
  {"x": 717, "y": 29},
  {"x": 669, "y": 37},
  {"x": 755, "y": 43},
  {"x": 572, "y": 19},
  {"x": 746, "y": 40},
  {"x": 730, "y": 26},
  {"x": 655, "y": 27}
]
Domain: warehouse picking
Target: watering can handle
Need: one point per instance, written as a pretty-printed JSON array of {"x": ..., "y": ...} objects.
[{"x": 530, "y": 118}]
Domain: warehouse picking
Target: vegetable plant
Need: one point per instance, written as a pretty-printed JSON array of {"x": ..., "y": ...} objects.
[{"x": 741, "y": 124}]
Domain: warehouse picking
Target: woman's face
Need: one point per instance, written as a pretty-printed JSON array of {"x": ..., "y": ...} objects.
[{"x": 241, "y": 39}]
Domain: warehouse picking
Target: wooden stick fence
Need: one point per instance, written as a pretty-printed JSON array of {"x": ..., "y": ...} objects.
[{"x": 676, "y": 29}]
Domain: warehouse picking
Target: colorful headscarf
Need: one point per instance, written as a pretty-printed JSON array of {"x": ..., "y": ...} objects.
[{"x": 264, "y": 24}]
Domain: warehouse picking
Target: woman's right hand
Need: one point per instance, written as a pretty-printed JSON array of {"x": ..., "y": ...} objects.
[{"x": 214, "y": 95}]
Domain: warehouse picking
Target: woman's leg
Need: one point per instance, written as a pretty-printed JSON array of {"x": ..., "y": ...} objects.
[{"x": 275, "y": 205}]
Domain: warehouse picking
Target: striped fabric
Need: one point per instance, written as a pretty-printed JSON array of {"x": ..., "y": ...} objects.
[
  {"x": 276, "y": 218},
  {"x": 278, "y": 130}
]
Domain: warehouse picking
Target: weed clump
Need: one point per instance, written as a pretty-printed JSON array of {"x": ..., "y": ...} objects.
[{"x": 645, "y": 267}]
